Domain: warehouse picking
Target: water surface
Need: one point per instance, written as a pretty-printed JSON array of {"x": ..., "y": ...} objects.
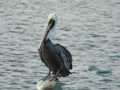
[{"x": 90, "y": 29}]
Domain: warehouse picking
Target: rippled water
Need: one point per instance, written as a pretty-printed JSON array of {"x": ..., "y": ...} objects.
[{"x": 90, "y": 29}]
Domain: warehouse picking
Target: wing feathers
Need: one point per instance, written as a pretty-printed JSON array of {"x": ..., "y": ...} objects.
[{"x": 65, "y": 56}]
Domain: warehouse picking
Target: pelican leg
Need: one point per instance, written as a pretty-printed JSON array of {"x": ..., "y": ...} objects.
[
  {"x": 54, "y": 78},
  {"x": 57, "y": 74},
  {"x": 46, "y": 77}
]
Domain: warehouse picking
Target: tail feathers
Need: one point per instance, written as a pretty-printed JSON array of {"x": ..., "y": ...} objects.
[
  {"x": 64, "y": 72},
  {"x": 71, "y": 66}
]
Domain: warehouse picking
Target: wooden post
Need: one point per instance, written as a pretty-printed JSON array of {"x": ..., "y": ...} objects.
[{"x": 47, "y": 84}]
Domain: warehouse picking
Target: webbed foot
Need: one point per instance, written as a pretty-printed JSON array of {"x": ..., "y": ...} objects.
[{"x": 53, "y": 78}]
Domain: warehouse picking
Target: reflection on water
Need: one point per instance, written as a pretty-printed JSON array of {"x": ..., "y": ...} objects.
[{"x": 90, "y": 29}]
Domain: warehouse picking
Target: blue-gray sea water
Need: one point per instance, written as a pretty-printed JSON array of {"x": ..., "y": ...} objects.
[{"x": 90, "y": 29}]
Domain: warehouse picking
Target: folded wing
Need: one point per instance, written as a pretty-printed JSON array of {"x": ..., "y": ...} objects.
[{"x": 64, "y": 55}]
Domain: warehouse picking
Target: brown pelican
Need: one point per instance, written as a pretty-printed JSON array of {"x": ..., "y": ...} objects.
[{"x": 56, "y": 57}]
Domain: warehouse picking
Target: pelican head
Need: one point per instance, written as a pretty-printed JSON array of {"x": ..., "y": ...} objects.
[
  {"x": 52, "y": 21},
  {"x": 52, "y": 16}
]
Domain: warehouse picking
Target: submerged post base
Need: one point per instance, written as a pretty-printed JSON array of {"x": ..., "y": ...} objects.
[{"x": 47, "y": 84}]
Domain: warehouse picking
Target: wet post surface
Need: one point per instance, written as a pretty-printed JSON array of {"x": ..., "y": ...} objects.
[{"x": 48, "y": 84}]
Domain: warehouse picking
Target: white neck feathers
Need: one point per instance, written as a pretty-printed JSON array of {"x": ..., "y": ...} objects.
[{"x": 49, "y": 33}]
